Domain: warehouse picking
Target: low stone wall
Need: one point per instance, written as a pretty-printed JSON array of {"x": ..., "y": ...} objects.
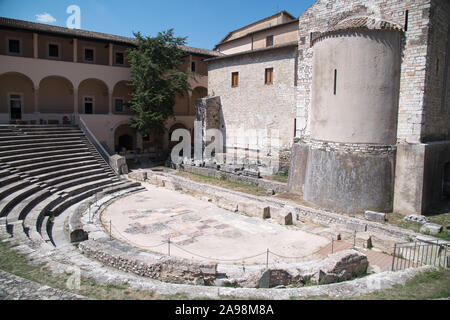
[
  {"x": 125, "y": 258},
  {"x": 278, "y": 187}
]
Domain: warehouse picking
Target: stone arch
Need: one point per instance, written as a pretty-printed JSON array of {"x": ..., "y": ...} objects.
[
  {"x": 197, "y": 93},
  {"x": 124, "y": 138},
  {"x": 56, "y": 95},
  {"x": 122, "y": 90},
  {"x": 98, "y": 91},
  {"x": 15, "y": 82}
]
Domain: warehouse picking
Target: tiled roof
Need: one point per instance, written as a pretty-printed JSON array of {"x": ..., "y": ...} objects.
[
  {"x": 275, "y": 47},
  {"x": 357, "y": 23},
  {"x": 227, "y": 37},
  {"x": 77, "y": 33}
]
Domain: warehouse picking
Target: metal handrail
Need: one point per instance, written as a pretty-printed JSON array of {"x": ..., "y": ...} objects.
[{"x": 91, "y": 137}]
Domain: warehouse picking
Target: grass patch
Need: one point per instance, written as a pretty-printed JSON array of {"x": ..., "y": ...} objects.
[
  {"x": 16, "y": 263},
  {"x": 442, "y": 218},
  {"x": 282, "y": 177},
  {"x": 434, "y": 284},
  {"x": 236, "y": 186}
]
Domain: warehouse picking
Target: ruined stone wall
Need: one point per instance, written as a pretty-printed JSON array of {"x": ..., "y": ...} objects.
[
  {"x": 325, "y": 14},
  {"x": 253, "y": 105},
  {"x": 437, "y": 89}
]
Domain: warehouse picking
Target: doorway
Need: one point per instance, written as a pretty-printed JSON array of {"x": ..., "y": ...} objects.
[
  {"x": 88, "y": 105},
  {"x": 15, "y": 106}
]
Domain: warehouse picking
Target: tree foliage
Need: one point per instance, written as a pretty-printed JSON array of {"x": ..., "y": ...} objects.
[{"x": 156, "y": 80}]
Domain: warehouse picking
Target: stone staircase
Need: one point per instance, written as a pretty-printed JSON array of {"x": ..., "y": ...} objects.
[{"x": 44, "y": 170}]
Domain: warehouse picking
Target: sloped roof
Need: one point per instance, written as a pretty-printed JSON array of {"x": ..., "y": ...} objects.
[
  {"x": 227, "y": 37},
  {"x": 85, "y": 34}
]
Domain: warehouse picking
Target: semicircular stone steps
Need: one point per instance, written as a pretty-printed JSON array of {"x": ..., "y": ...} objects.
[{"x": 43, "y": 171}]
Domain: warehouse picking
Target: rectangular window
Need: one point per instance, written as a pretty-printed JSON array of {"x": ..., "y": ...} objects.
[
  {"x": 14, "y": 46},
  {"x": 89, "y": 55},
  {"x": 269, "y": 76},
  {"x": 193, "y": 66},
  {"x": 118, "y": 105},
  {"x": 119, "y": 58},
  {"x": 53, "y": 50},
  {"x": 269, "y": 41},
  {"x": 235, "y": 79}
]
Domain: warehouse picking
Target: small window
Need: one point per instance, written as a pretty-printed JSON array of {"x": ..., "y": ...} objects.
[
  {"x": 235, "y": 79},
  {"x": 269, "y": 41},
  {"x": 89, "y": 55},
  {"x": 193, "y": 66},
  {"x": 118, "y": 105},
  {"x": 53, "y": 50},
  {"x": 119, "y": 58},
  {"x": 14, "y": 46},
  {"x": 269, "y": 76}
]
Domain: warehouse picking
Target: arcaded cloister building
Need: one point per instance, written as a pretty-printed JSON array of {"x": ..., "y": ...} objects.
[{"x": 52, "y": 75}]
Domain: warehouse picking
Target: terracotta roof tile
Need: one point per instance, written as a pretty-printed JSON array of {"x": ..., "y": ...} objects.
[{"x": 39, "y": 27}]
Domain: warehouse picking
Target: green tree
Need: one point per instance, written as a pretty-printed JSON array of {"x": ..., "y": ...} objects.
[{"x": 156, "y": 80}]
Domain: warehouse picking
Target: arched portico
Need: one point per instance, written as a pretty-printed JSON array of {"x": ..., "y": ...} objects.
[
  {"x": 93, "y": 97},
  {"x": 56, "y": 95},
  {"x": 17, "y": 96}
]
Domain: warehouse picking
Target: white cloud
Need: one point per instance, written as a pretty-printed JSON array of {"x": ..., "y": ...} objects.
[{"x": 45, "y": 18}]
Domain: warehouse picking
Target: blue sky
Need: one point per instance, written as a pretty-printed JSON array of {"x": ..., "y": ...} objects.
[{"x": 204, "y": 22}]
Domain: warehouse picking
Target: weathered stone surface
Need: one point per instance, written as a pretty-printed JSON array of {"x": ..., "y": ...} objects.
[
  {"x": 254, "y": 209},
  {"x": 341, "y": 266},
  {"x": 270, "y": 192},
  {"x": 282, "y": 215},
  {"x": 448, "y": 229},
  {"x": 139, "y": 175},
  {"x": 417, "y": 218},
  {"x": 118, "y": 163},
  {"x": 274, "y": 278},
  {"x": 375, "y": 216},
  {"x": 431, "y": 228}
]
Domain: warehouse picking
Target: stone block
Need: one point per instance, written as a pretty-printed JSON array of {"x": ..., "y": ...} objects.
[
  {"x": 171, "y": 185},
  {"x": 431, "y": 228},
  {"x": 254, "y": 209},
  {"x": 417, "y": 218},
  {"x": 341, "y": 266},
  {"x": 118, "y": 163},
  {"x": 375, "y": 216},
  {"x": 282, "y": 215},
  {"x": 270, "y": 192},
  {"x": 274, "y": 278}
]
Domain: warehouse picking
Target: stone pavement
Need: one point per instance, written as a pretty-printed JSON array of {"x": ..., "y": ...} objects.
[
  {"x": 198, "y": 229},
  {"x": 15, "y": 288}
]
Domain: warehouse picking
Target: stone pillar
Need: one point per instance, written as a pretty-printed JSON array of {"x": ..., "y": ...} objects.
[
  {"x": 111, "y": 56},
  {"x": 36, "y": 100},
  {"x": 75, "y": 101},
  {"x": 110, "y": 95},
  {"x": 35, "y": 46},
  {"x": 75, "y": 50}
]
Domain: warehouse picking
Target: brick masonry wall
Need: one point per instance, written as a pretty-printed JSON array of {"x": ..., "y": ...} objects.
[
  {"x": 437, "y": 92},
  {"x": 324, "y": 14},
  {"x": 253, "y": 104}
]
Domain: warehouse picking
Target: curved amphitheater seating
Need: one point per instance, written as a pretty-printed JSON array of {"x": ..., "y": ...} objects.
[{"x": 45, "y": 169}]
